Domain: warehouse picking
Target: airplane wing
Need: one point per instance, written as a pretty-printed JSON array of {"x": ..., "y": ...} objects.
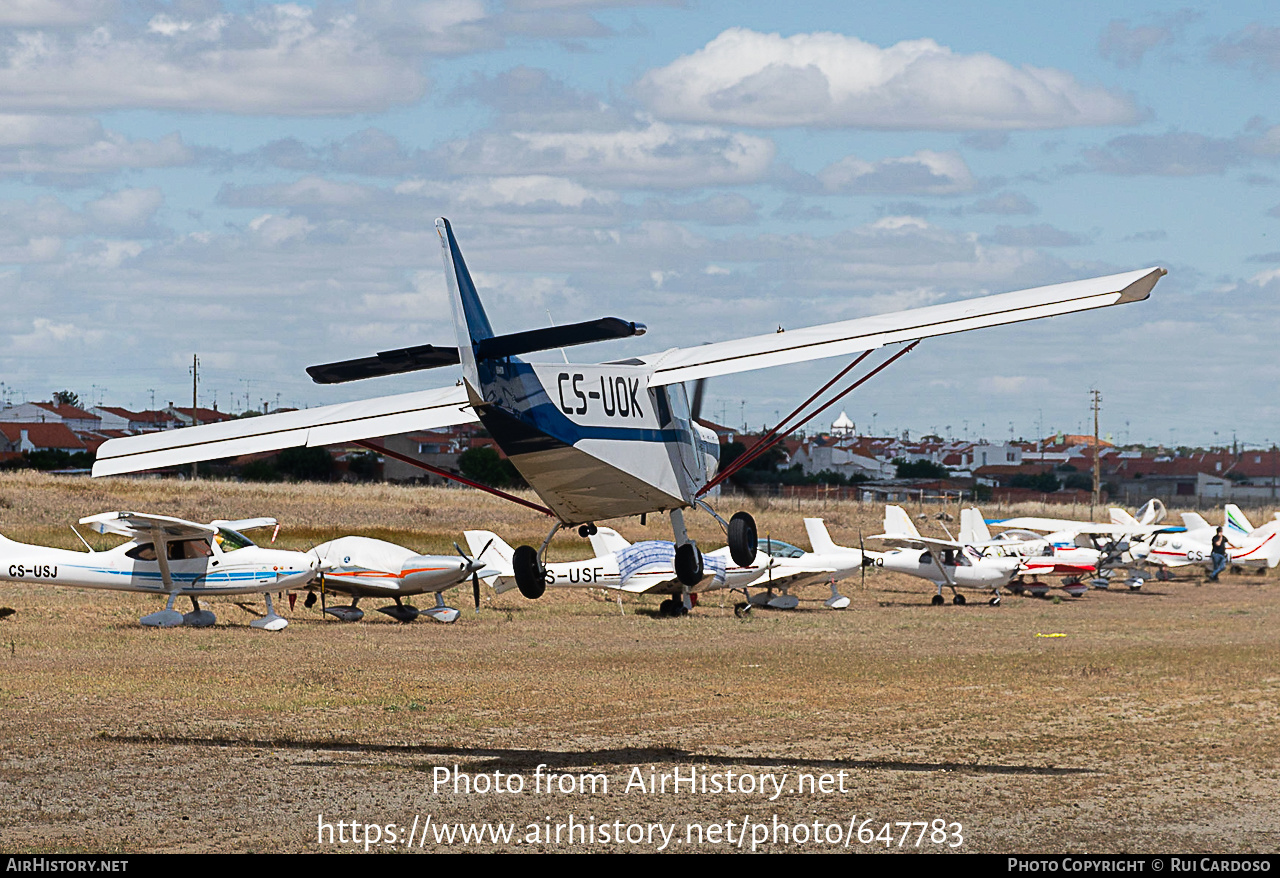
[
  {"x": 867, "y": 333},
  {"x": 134, "y": 524},
  {"x": 327, "y": 425},
  {"x": 1083, "y": 527}
]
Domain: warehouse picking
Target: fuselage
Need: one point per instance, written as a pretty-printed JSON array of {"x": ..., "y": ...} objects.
[
  {"x": 595, "y": 441},
  {"x": 365, "y": 567},
  {"x": 963, "y": 567},
  {"x": 196, "y": 566}
]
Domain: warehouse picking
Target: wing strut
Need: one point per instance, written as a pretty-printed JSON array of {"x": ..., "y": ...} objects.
[
  {"x": 404, "y": 458},
  {"x": 774, "y": 436}
]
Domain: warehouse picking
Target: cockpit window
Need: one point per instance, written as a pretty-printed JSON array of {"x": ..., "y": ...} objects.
[
  {"x": 230, "y": 540},
  {"x": 779, "y": 549},
  {"x": 177, "y": 550}
]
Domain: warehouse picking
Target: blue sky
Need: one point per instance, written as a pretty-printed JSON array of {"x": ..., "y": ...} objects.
[{"x": 256, "y": 183}]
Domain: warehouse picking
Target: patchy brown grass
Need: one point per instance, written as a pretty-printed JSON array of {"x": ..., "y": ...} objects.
[{"x": 1149, "y": 726}]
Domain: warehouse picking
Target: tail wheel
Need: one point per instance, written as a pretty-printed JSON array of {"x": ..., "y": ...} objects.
[
  {"x": 688, "y": 564},
  {"x": 530, "y": 575},
  {"x": 742, "y": 539}
]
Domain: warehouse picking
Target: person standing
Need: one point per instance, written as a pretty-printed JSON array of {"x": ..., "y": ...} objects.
[{"x": 1218, "y": 555}]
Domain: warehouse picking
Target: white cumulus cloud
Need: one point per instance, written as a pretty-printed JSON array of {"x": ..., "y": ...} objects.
[{"x": 743, "y": 77}]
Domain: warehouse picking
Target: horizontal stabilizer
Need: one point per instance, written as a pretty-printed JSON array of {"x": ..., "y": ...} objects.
[
  {"x": 395, "y": 362},
  {"x": 516, "y": 343},
  {"x": 327, "y": 425}
]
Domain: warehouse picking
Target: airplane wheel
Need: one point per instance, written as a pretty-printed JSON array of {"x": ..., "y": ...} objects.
[
  {"x": 688, "y": 564},
  {"x": 530, "y": 576},
  {"x": 937, "y": 600},
  {"x": 584, "y": 531},
  {"x": 995, "y": 601},
  {"x": 742, "y": 539},
  {"x": 310, "y": 601},
  {"x": 742, "y": 610},
  {"x": 1163, "y": 575},
  {"x": 958, "y": 600},
  {"x": 1237, "y": 570},
  {"x": 664, "y": 608}
]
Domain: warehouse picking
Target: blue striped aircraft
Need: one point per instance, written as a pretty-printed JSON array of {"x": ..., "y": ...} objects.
[{"x": 595, "y": 441}]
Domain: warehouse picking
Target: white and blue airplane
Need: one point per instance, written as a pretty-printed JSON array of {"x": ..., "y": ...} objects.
[
  {"x": 594, "y": 441},
  {"x": 168, "y": 556}
]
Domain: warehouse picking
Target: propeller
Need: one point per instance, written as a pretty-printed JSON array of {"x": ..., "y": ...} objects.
[
  {"x": 321, "y": 566},
  {"x": 475, "y": 565}
]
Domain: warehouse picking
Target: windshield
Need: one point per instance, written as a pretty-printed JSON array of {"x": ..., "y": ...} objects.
[
  {"x": 779, "y": 549},
  {"x": 230, "y": 540}
]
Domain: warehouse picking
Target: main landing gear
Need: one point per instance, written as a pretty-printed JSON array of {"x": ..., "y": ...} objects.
[{"x": 530, "y": 569}]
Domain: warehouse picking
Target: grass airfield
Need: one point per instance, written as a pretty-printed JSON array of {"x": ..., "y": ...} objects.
[{"x": 1120, "y": 721}]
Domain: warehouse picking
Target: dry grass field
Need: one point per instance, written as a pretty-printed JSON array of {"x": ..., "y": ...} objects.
[{"x": 1116, "y": 722}]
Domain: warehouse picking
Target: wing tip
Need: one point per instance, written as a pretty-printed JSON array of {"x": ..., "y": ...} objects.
[{"x": 1141, "y": 288}]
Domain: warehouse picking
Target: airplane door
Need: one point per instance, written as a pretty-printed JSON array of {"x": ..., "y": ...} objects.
[{"x": 690, "y": 464}]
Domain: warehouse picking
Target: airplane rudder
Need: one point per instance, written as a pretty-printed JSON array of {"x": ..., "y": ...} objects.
[
  {"x": 819, "y": 537},
  {"x": 461, "y": 287}
]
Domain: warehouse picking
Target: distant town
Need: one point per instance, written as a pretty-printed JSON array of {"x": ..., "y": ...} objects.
[{"x": 61, "y": 435}]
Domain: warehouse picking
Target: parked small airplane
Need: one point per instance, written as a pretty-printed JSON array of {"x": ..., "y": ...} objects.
[
  {"x": 594, "y": 441},
  {"x": 645, "y": 568},
  {"x": 1252, "y": 547},
  {"x": 1077, "y": 549},
  {"x": 826, "y": 556},
  {"x": 167, "y": 556},
  {"x": 948, "y": 562},
  {"x": 365, "y": 567}
]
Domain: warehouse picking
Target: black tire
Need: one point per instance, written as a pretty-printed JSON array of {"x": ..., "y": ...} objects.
[
  {"x": 937, "y": 600},
  {"x": 742, "y": 610},
  {"x": 958, "y": 600},
  {"x": 688, "y": 564},
  {"x": 530, "y": 577},
  {"x": 742, "y": 539},
  {"x": 995, "y": 601}
]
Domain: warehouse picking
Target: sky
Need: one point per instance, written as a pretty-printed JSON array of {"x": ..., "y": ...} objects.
[{"x": 257, "y": 183}]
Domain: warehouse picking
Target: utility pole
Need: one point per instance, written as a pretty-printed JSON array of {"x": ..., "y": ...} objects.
[
  {"x": 195, "y": 419},
  {"x": 1097, "y": 456}
]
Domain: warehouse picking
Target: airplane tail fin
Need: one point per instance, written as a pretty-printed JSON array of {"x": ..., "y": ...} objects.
[
  {"x": 488, "y": 547},
  {"x": 1234, "y": 522},
  {"x": 973, "y": 528},
  {"x": 897, "y": 523},
  {"x": 607, "y": 541},
  {"x": 820, "y": 538},
  {"x": 1194, "y": 521},
  {"x": 469, "y": 318}
]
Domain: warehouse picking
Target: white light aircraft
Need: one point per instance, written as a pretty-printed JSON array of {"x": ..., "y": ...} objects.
[
  {"x": 838, "y": 562},
  {"x": 1248, "y": 546},
  {"x": 640, "y": 568},
  {"x": 365, "y": 567},
  {"x": 950, "y": 563},
  {"x": 595, "y": 441},
  {"x": 1076, "y": 549},
  {"x": 167, "y": 556}
]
